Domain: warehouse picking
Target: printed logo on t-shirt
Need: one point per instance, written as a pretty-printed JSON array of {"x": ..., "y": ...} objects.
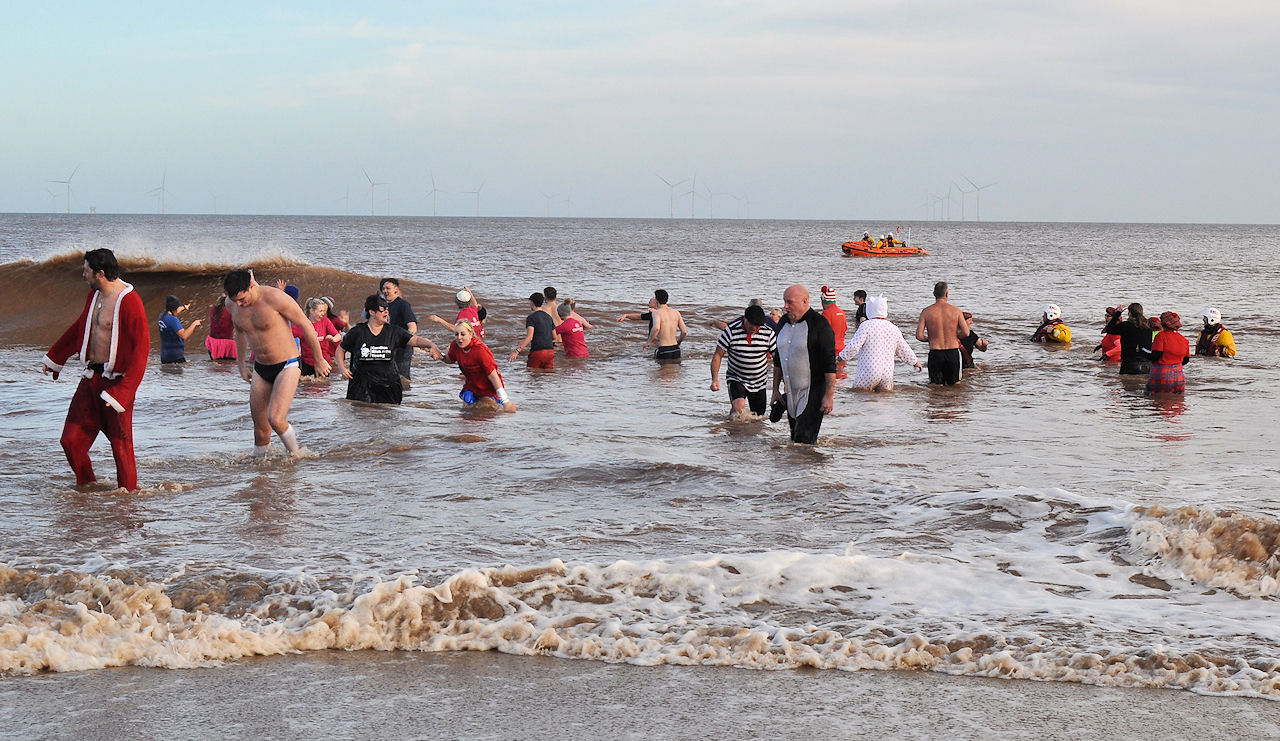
[{"x": 374, "y": 353}]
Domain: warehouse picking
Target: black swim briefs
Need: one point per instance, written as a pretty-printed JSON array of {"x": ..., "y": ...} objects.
[{"x": 268, "y": 373}]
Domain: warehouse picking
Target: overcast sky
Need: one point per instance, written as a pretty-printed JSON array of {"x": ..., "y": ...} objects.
[{"x": 1161, "y": 110}]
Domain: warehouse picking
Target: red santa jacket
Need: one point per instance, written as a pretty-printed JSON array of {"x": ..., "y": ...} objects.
[{"x": 130, "y": 345}]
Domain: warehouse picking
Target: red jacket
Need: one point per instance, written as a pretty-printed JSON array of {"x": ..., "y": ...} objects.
[
  {"x": 839, "y": 324},
  {"x": 130, "y": 345}
]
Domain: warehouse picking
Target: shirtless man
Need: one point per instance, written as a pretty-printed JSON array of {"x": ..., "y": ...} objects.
[
  {"x": 112, "y": 338},
  {"x": 667, "y": 323},
  {"x": 942, "y": 326},
  {"x": 262, "y": 315}
]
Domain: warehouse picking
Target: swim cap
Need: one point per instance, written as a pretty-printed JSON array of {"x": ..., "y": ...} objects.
[
  {"x": 1170, "y": 320},
  {"x": 1213, "y": 315},
  {"x": 463, "y": 296},
  {"x": 1051, "y": 312}
]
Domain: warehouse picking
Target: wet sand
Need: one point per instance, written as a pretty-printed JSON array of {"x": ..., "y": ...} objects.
[{"x": 495, "y": 696}]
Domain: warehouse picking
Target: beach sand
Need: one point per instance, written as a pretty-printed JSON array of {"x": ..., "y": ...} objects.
[{"x": 495, "y": 696}]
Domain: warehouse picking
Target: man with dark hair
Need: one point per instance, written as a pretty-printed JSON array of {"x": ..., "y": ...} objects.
[
  {"x": 262, "y": 316},
  {"x": 667, "y": 330},
  {"x": 539, "y": 336},
  {"x": 402, "y": 316},
  {"x": 748, "y": 343},
  {"x": 942, "y": 325},
  {"x": 373, "y": 376},
  {"x": 550, "y": 305},
  {"x": 860, "y": 298},
  {"x": 113, "y": 340},
  {"x": 806, "y": 361}
]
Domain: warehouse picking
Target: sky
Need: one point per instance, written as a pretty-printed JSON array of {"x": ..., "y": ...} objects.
[{"x": 1094, "y": 110}]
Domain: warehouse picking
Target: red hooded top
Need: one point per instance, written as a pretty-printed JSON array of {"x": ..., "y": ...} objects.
[{"x": 130, "y": 345}]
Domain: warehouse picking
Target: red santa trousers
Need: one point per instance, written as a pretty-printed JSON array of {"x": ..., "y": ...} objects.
[{"x": 86, "y": 417}]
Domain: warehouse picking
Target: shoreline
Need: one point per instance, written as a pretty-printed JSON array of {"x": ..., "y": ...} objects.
[{"x": 339, "y": 694}]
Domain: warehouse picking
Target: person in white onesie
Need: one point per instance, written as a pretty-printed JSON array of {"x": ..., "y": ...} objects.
[{"x": 875, "y": 345}]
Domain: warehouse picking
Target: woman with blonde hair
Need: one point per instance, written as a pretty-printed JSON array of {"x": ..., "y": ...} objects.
[{"x": 482, "y": 383}]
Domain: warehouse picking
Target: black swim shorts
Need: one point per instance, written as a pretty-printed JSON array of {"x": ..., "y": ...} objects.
[{"x": 944, "y": 366}]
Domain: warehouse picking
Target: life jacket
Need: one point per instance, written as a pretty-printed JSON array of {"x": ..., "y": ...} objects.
[
  {"x": 1212, "y": 342},
  {"x": 1053, "y": 331}
]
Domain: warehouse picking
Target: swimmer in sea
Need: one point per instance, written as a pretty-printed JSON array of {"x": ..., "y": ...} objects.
[
  {"x": 942, "y": 325},
  {"x": 667, "y": 322},
  {"x": 482, "y": 383},
  {"x": 262, "y": 316}
]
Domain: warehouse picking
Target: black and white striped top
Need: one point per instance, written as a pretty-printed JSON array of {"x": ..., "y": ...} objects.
[{"x": 748, "y": 359}]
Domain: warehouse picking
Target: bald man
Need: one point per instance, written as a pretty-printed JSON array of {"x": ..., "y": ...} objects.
[{"x": 806, "y": 362}]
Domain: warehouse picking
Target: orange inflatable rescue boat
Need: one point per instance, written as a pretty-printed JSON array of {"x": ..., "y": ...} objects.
[{"x": 881, "y": 248}]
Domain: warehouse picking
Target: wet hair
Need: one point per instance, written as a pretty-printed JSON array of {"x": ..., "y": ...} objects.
[
  {"x": 171, "y": 304},
  {"x": 940, "y": 289},
  {"x": 549, "y": 293},
  {"x": 537, "y": 299},
  {"x": 661, "y": 295},
  {"x": 219, "y": 306},
  {"x": 382, "y": 283},
  {"x": 237, "y": 282},
  {"x": 755, "y": 315},
  {"x": 373, "y": 302},
  {"x": 564, "y": 310},
  {"x": 105, "y": 260},
  {"x": 860, "y": 294}
]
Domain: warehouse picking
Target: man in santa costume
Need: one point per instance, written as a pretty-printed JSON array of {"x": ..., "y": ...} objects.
[{"x": 112, "y": 338}]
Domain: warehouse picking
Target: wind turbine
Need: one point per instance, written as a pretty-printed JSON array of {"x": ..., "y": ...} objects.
[
  {"x": 963, "y": 192},
  {"x": 568, "y": 202},
  {"x": 544, "y": 195},
  {"x": 693, "y": 198},
  {"x": 373, "y": 201},
  {"x": 711, "y": 202},
  {"x": 671, "y": 204},
  {"x": 346, "y": 200},
  {"x": 434, "y": 190},
  {"x": 388, "y": 212},
  {"x": 53, "y": 201},
  {"x": 476, "y": 193},
  {"x": 215, "y": 198},
  {"x": 160, "y": 191},
  {"x": 67, "y": 183},
  {"x": 979, "y": 189}
]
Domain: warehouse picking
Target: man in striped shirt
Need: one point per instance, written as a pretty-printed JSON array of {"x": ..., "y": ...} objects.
[{"x": 749, "y": 344}]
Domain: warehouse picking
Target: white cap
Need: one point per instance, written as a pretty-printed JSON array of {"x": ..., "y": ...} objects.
[
  {"x": 1213, "y": 315},
  {"x": 878, "y": 307},
  {"x": 463, "y": 296},
  {"x": 1051, "y": 312}
]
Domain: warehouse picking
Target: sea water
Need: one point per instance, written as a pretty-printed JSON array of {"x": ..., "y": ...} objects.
[{"x": 1042, "y": 520}]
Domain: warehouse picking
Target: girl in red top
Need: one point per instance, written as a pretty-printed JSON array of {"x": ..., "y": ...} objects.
[
  {"x": 326, "y": 332},
  {"x": 482, "y": 383},
  {"x": 1169, "y": 352}
]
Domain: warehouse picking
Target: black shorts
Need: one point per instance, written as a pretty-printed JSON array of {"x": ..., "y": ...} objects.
[
  {"x": 944, "y": 366},
  {"x": 756, "y": 400},
  {"x": 667, "y": 352}
]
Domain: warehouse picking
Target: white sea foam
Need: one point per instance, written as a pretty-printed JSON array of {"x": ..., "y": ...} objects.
[{"x": 779, "y": 609}]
